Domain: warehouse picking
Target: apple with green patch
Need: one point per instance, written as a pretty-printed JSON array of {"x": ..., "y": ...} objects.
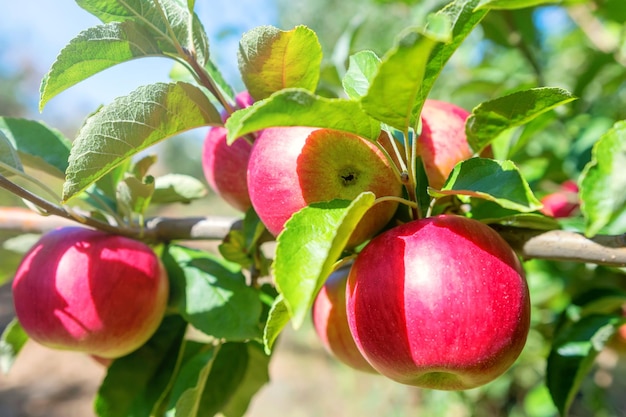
[{"x": 293, "y": 167}]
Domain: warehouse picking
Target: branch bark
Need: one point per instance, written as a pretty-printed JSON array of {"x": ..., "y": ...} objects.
[{"x": 556, "y": 245}]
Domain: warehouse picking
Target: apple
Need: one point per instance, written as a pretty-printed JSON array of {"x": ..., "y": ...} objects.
[
  {"x": 439, "y": 303},
  {"x": 292, "y": 167},
  {"x": 562, "y": 203},
  {"x": 331, "y": 322},
  {"x": 225, "y": 165},
  {"x": 90, "y": 291},
  {"x": 442, "y": 143}
]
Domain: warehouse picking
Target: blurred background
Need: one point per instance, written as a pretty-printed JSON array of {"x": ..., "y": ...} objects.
[{"x": 580, "y": 48}]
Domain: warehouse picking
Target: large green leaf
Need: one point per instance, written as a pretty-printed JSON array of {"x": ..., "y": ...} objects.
[
  {"x": 496, "y": 181},
  {"x": 135, "y": 383},
  {"x": 271, "y": 59},
  {"x": 212, "y": 294},
  {"x": 393, "y": 96},
  {"x": 573, "y": 353},
  {"x": 94, "y": 50},
  {"x": 604, "y": 181},
  {"x": 132, "y": 123},
  {"x": 11, "y": 342},
  {"x": 463, "y": 18},
  {"x": 493, "y": 117},
  {"x": 299, "y": 107},
  {"x": 38, "y": 146},
  {"x": 161, "y": 19},
  {"x": 310, "y": 244}
]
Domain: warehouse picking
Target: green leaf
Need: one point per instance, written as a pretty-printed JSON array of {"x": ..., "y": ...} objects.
[
  {"x": 177, "y": 188},
  {"x": 94, "y": 50},
  {"x": 12, "y": 341},
  {"x": 256, "y": 375},
  {"x": 492, "y": 213},
  {"x": 491, "y": 118},
  {"x": 573, "y": 353},
  {"x": 393, "y": 96},
  {"x": 298, "y": 107},
  {"x": 513, "y": 4},
  {"x": 134, "y": 195},
  {"x": 277, "y": 320},
  {"x": 212, "y": 294},
  {"x": 271, "y": 59},
  {"x": 194, "y": 377},
  {"x": 129, "y": 125},
  {"x": 463, "y": 18},
  {"x": 498, "y": 181},
  {"x": 310, "y": 244},
  {"x": 603, "y": 180},
  {"x": 161, "y": 19},
  {"x": 362, "y": 68},
  {"x": 135, "y": 383},
  {"x": 37, "y": 145},
  {"x": 8, "y": 157}
]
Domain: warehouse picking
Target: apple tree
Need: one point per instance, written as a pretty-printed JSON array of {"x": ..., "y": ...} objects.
[{"x": 476, "y": 242}]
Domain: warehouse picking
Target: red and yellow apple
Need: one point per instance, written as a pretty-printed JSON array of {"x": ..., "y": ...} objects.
[
  {"x": 442, "y": 143},
  {"x": 292, "y": 167},
  {"x": 439, "y": 303},
  {"x": 331, "y": 322},
  {"x": 225, "y": 165},
  {"x": 86, "y": 290}
]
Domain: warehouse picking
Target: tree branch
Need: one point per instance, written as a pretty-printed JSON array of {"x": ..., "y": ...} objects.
[{"x": 556, "y": 245}]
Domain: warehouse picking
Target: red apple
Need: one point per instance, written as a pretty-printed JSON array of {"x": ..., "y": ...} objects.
[
  {"x": 442, "y": 143},
  {"x": 292, "y": 167},
  {"x": 86, "y": 290},
  {"x": 331, "y": 322},
  {"x": 439, "y": 303},
  {"x": 562, "y": 203},
  {"x": 225, "y": 165}
]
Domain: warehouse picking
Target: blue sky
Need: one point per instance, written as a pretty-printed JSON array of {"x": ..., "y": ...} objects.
[{"x": 34, "y": 31}]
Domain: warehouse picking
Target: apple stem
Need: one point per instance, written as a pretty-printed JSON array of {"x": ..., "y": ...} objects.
[{"x": 410, "y": 203}]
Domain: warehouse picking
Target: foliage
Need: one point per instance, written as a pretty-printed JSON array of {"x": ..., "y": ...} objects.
[{"x": 547, "y": 102}]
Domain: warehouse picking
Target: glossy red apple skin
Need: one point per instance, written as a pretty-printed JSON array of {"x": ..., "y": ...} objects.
[
  {"x": 292, "y": 167},
  {"x": 225, "y": 165},
  {"x": 86, "y": 290},
  {"x": 331, "y": 322},
  {"x": 562, "y": 203},
  {"x": 439, "y": 303},
  {"x": 442, "y": 143}
]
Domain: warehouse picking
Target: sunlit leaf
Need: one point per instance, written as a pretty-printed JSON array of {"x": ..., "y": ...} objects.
[
  {"x": 94, "y": 50},
  {"x": 513, "y": 4},
  {"x": 604, "y": 181},
  {"x": 496, "y": 181},
  {"x": 491, "y": 118},
  {"x": 297, "y": 107},
  {"x": 362, "y": 68},
  {"x": 310, "y": 244},
  {"x": 177, "y": 188},
  {"x": 393, "y": 96},
  {"x": 132, "y": 123},
  {"x": 271, "y": 59},
  {"x": 278, "y": 318},
  {"x": 8, "y": 157}
]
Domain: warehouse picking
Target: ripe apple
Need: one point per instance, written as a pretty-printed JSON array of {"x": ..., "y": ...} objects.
[
  {"x": 561, "y": 203},
  {"x": 442, "y": 143},
  {"x": 331, "y": 322},
  {"x": 89, "y": 291},
  {"x": 225, "y": 165},
  {"x": 292, "y": 167},
  {"x": 439, "y": 303}
]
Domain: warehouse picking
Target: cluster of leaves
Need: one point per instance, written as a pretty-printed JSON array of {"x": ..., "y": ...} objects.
[{"x": 221, "y": 367}]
